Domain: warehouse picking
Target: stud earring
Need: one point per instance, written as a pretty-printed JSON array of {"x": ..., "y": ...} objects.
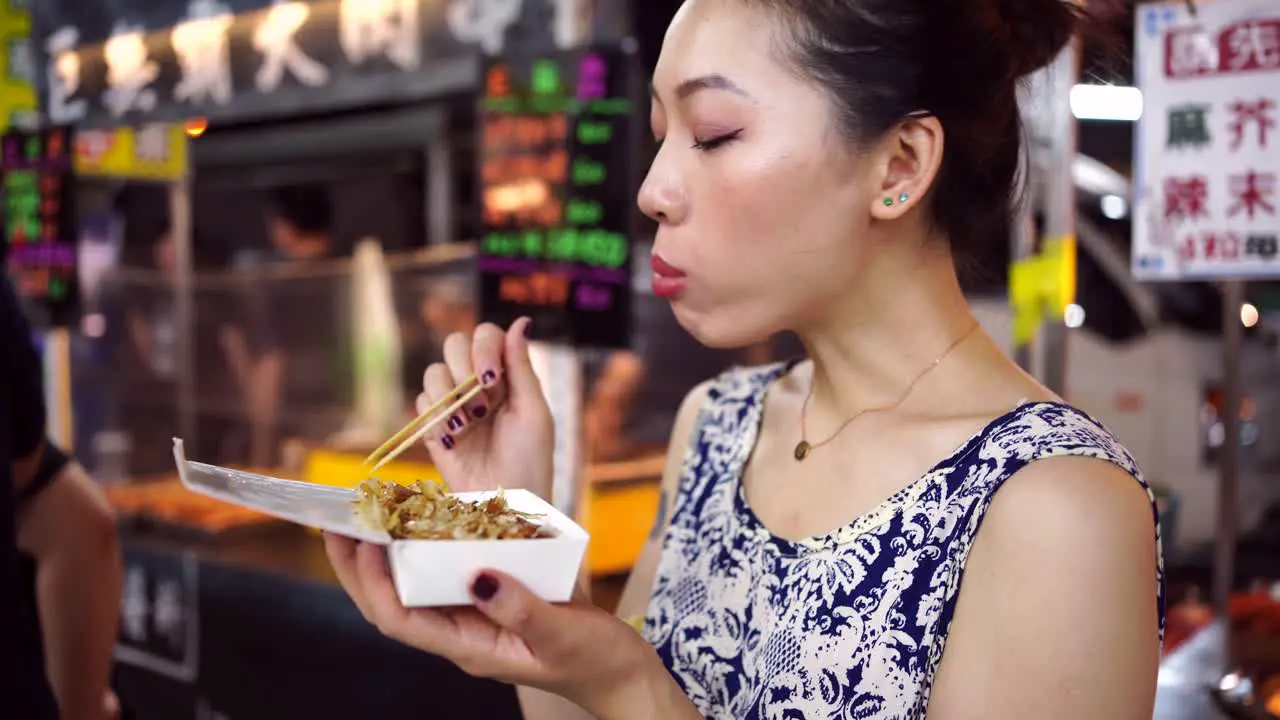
[
  {"x": 902, "y": 198},
  {"x": 888, "y": 202}
]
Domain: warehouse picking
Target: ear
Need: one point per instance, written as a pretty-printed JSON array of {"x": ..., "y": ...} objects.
[{"x": 910, "y": 156}]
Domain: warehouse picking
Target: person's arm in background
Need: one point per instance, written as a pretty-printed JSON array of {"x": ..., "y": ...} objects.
[
  {"x": 539, "y": 705},
  {"x": 26, "y": 382},
  {"x": 140, "y": 336},
  {"x": 258, "y": 378},
  {"x": 67, "y": 526},
  {"x": 609, "y": 402},
  {"x": 257, "y": 363}
]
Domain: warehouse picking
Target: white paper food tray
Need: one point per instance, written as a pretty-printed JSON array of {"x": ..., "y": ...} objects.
[{"x": 427, "y": 573}]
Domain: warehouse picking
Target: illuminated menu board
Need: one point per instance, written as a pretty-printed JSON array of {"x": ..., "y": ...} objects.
[
  {"x": 39, "y": 217},
  {"x": 557, "y": 187}
]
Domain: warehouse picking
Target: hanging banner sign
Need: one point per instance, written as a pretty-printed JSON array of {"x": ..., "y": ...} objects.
[
  {"x": 1207, "y": 182},
  {"x": 156, "y": 152},
  {"x": 37, "y": 184},
  {"x": 133, "y": 61},
  {"x": 557, "y": 167},
  {"x": 17, "y": 93},
  {"x": 159, "y": 628}
]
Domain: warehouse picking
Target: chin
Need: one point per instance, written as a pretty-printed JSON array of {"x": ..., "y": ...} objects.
[{"x": 721, "y": 329}]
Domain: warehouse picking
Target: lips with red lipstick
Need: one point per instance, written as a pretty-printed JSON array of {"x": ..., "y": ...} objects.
[{"x": 668, "y": 280}]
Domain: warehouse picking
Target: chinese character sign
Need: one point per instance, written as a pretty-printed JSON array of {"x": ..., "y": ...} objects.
[
  {"x": 130, "y": 72},
  {"x": 159, "y": 624},
  {"x": 154, "y": 152},
  {"x": 204, "y": 53},
  {"x": 241, "y": 60},
  {"x": 39, "y": 217},
  {"x": 1207, "y": 180},
  {"x": 381, "y": 27},
  {"x": 276, "y": 40},
  {"x": 17, "y": 94},
  {"x": 62, "y": 77},
  {"x": 556, "y": 164}
]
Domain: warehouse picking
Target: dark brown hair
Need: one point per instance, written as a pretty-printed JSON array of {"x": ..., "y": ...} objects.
[{"x": 957, "y": 60}]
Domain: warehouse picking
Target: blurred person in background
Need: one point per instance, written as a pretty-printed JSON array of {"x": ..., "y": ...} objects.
[
  {"x": 634, "y": 394},
  {"x": 151, "y": 320},
  {"x": 291, "y": 355},
  {"x": 60, "y": 572},
  {"x": 151, "y": 358},
  {"x": 147, "y": 373},
  {"x": 905, "y": 524},
  {"x": 448, "y": 305}
]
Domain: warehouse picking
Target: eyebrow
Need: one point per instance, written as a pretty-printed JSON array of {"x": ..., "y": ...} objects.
[{"x": 695, "y": 85}]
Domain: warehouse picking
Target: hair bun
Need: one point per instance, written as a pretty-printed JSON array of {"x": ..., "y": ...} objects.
[{"x": 1036, "y": 31}]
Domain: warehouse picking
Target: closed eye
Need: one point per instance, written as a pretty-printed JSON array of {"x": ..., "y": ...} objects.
[{"x": 716, "y": 142}]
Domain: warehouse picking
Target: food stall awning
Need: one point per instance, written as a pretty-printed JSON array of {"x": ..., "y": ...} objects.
[{"x": 130, "y": 62}]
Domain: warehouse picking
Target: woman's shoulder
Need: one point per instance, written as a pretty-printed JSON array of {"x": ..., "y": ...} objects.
[{"x": 1043, "y": 429}]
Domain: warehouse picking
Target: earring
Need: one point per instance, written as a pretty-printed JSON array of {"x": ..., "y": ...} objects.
[
  {"x": 902, "y": 198},
  {"x": 888, "y": 202}
]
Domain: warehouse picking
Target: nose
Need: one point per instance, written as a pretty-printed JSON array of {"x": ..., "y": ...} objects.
[{"x": 661, "y": 195}]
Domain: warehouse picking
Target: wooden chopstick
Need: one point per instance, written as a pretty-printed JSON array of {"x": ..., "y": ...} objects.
[
  {"x": 426, "y": 428},
  {"x": 421, "y": 425},
  {"x": 423, "y": 417}
]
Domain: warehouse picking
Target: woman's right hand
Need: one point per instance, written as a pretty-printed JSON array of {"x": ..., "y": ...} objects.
[{"x": 504, "y": 437}]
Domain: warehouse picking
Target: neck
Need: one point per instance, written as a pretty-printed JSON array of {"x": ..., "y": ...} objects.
[{"x": 875, "y": 341}]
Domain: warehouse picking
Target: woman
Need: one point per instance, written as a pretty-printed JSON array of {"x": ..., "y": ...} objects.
[{"x": 904, "y": 525}]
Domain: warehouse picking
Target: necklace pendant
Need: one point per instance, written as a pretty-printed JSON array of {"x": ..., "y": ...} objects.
[{"x": 803, "y": 449}]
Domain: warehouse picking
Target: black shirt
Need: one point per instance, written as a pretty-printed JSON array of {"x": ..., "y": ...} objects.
[{"x": 24, "y": 690}]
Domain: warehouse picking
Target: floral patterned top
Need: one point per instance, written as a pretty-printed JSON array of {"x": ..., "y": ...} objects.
[{"x": 849, "y": 625}]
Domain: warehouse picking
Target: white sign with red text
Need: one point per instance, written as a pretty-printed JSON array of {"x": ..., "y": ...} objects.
[{"x": 1207, "y": 149}]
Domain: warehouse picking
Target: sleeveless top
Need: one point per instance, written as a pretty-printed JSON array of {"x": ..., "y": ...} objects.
[{"x": 849, "y": 625}]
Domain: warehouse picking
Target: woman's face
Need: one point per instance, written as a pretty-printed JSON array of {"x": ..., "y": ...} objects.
[{"x": 762, "y": 205}]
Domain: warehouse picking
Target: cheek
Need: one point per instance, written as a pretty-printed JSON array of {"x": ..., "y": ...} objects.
[
  {"x": 784, "y": 243},
  {"x": 779, "y": 216}
]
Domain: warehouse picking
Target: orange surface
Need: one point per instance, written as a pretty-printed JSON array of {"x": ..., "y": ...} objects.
[
  {"x": 169, "y": 501},
  {"x": 331, "y": 467},
  {"x": 618, "y": 510},
  {"x": 619, "y": 518}
]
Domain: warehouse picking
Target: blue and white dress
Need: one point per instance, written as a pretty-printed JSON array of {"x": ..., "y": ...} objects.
[{"x": 851, "y": 624}]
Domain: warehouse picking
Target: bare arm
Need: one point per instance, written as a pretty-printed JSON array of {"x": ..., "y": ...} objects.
[
  {"x": 1057, "y": 617},
  {"x": 236, "y": 350},
  {"x": 70, "y": 530},
  {"x": 260, "y": 383},
  {"x": 610, "y": 401},
  {"x": 140, "y": 336},
  {"x": 538, "y": 705}
]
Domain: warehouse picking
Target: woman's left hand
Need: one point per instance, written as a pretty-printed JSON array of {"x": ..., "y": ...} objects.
[{"x": 576, "y": 650}]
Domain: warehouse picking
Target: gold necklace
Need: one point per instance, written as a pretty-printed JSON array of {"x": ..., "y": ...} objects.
[{"x": 804, "y": 447}]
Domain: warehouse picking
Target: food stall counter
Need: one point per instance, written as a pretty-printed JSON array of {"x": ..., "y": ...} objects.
[{"x": 249, "y": 622}]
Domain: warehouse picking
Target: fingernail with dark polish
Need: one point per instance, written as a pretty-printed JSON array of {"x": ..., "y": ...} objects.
[
  {"x": 528, "y": 328},
  {"x": 447, "y": 442},
  {"x": 478, "y": 412},
  {"x": 485, "y": 587},
  {"x": 455, "y": 423},
  {"x": 488, "y": 377}
]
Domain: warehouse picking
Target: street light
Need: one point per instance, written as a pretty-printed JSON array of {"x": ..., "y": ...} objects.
[
  {"x": 1106, "y": 102},
  {"x": 1248, "y": 315}
]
